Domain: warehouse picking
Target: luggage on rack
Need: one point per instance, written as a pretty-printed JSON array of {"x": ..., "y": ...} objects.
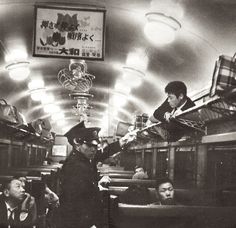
[
  {"x": 224, "y": 76},
  {"x": 10, "y": 114},
  {"x": 42, "y": 128},
  {"x": 46, "y": 127}
]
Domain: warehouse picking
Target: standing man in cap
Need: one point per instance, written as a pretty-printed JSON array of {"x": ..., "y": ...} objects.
[{"x": 81, "y": 204}]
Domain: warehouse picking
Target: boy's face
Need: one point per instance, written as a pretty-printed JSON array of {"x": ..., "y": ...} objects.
[
  {"x": 166, "y": 193},
  {"x": 173, "y": 100}
]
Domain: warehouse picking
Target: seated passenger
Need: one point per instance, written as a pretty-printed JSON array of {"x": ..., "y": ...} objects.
[
  {"x": 17, "y": 208},
  {"x": 51, "y": 200},
  {"x": 176, "y": 102},
  {"x": 165, "y": 192},
  {"x": 139, "y": 173}
]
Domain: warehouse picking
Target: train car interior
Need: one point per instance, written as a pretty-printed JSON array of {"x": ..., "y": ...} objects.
[{"x": 107, "y": 63}]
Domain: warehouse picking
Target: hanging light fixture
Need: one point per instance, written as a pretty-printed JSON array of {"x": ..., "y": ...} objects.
[
  {"x": 161, "y": 29},
  {"x": 18, "y": 70},
  {"x": 17, "y": 64},
  {"x": 76, "y": 79},
  {"x": 37, "y": 89},
  {"x": 82, "y": 107},
  {"x": 134, "y": 76},
  {"x": 134, "y": 70}
]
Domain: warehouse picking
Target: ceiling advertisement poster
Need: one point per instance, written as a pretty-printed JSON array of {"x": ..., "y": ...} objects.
[{"x": 69, "y": 32}]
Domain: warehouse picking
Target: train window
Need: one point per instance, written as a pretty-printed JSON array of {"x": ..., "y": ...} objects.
[
  {"x": 139, "y": 157},
  {"x": 3, "y": 155},
  {"x": 127, "y": 160},
  {"x": 161, "y": 163},
  {"x": 221, "y": 166},
  {"x": 148, "y": 158},
  {"x": 185, "y": 167}
]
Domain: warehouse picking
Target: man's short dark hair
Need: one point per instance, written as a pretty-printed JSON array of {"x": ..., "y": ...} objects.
[
  {"x": 6, "y": 183},
  {"x": 162, "y": 181},
  {"x": 176, "y": 88}
]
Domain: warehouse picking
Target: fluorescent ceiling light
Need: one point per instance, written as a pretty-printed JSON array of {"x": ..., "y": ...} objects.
[
  {"x": 37, "y": 89},
  {"x": 161, "y": 29},
  {"x": 18, "y": 71},
  {"x": 133, "y": 77},
  {"x": 137, "y": 60},
  {"x": 16, "y": 55},
  {"x": 121, "y": 86},
  {"x": 118, "y": 100}
]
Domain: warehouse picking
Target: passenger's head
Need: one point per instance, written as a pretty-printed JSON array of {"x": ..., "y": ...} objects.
[
  {"x": 138, "y": 169},
  {"x": 176, "y": 92},
  {"x": 139, "y": 173},
  {"x": 165, "y": 191},
  {"x": 21, "y": 178},
  {"x": 13, "y": 191},
  {"x": 84, "y": 139},
  {"x": 51, "y": 198}
]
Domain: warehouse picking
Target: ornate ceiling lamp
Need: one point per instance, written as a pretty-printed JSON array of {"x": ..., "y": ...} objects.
[{"x": 79, "y": 82}]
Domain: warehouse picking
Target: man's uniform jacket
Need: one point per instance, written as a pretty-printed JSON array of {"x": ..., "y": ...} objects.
[{"x": 81, "y": 204}]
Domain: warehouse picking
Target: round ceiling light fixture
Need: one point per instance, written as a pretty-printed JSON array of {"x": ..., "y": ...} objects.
[
  {"x": 18, "y": 71},
  {"x": 133, "y": 77},
  {"x": 160, "y": 29},
  {"x": 37, "y": 89}
]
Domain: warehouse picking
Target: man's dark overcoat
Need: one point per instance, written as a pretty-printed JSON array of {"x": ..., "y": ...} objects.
[
  {"x": 81, "y": 204},
  {"x": 165, "y": 107}
]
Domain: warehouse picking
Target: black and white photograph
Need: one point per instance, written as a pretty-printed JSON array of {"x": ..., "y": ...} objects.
[{"x": 117, "y": 114}]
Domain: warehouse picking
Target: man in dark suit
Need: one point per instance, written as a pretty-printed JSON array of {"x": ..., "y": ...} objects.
[
  {"x": 176, "y": 102},
  {"x": 81, "y": 203},
  {"x": 15, "y": 206}
]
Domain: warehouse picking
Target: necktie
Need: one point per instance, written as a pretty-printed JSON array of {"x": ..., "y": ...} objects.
[{"x": 11, "y": 217}]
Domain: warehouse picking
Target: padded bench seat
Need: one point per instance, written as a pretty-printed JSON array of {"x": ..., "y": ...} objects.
[
  {"x": 118, "y": 175},
  {"x": 136, "y": 216},
  {"x": 129, "y": 182}
]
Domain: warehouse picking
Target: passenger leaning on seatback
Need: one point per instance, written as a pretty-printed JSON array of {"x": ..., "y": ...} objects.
[{"x": 176, "y": 102}]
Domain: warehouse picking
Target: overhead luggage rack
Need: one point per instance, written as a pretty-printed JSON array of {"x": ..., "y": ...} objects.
[
  {"x": 196, "y": 119},
  {"x": 21, "y": 133},
  {"x": 215, "y": 108},
  {"x": 155, "y": 131}
]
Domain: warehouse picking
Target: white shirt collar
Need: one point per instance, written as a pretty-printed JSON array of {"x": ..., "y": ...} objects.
[
  {"x": 178, "y": 108},
  {"x": 9, "y": 210},
  {"x": 9, "y": 207}
]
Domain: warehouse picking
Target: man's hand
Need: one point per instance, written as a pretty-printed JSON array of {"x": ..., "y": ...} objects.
[
  {"x": 129, "y": 137},
  {"x": 168, "y": 116},
  {"x": 28, "y": 202},
  {"x": 151, "y": 120},
  {"x": 103, "y": 182}
]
